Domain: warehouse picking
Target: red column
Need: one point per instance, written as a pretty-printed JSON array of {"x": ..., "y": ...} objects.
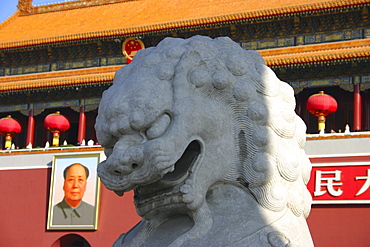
[
  {"x": 357, "y": 107},
  {"x": 81, "y": 125},
  {"x": 30, "y": 129}
]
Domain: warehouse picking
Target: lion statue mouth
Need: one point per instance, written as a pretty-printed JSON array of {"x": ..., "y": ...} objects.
[
  {"x": 173, "y": 187},
  {"x": 170, "y": 177}
]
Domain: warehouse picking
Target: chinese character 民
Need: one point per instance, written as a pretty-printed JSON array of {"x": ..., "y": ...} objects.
[{"x": 329, "y": 182}]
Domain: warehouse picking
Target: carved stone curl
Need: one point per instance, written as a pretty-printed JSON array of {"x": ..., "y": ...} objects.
[{"x": 207, "y": 137}]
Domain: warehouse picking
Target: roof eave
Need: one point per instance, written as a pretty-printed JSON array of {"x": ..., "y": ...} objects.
[{"x": 194, "y": 23}]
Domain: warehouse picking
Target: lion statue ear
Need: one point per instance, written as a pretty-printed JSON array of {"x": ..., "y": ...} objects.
[{"x": 189, "y": 59}]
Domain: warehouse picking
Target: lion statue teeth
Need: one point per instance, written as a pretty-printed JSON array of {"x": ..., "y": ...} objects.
[{"x": 207, "y": 137}]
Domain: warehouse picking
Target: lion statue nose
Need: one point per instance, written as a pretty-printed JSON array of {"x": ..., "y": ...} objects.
[{"x": 126, "y": 163}]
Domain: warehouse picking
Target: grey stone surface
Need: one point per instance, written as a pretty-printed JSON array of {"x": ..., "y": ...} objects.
[{"x": 207, "y": 136}]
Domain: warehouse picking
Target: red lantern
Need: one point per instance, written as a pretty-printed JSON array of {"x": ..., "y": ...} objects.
[
  {"x": 321, "y": 105},
  {"x": 9, "y": 127},
  {"x": 56, "y": 124}
]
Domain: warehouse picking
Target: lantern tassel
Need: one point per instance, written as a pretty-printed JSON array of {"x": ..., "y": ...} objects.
[
  {"x": 321, "y": 122},
  {"x": 8, "y": 141},
  {"x": 56, "y": 139}
]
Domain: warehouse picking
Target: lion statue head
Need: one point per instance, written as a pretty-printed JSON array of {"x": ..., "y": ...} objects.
[{"x": 207, "y": 137}]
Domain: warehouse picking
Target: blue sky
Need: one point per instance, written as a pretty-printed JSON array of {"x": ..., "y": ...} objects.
[{"x": 8, "y": 7}]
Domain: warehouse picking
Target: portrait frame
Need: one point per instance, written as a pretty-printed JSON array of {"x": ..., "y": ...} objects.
[{"x": 90, "y": 198}]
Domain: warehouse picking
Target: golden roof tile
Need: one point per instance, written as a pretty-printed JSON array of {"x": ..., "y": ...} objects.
[
  {"x": 58, "y": 79},
  {"x": 354, "y": 49},
  {"x": 55, "y": 23}
]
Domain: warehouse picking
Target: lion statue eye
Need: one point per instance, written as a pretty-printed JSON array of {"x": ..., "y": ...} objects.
[{"x": 159, "y": 127}]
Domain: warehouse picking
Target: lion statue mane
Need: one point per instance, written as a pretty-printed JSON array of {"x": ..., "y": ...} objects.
[{"x": 207, "y": 137}]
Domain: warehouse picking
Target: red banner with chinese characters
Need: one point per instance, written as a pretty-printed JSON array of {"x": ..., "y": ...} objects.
[{"x": 340, "y": 182}]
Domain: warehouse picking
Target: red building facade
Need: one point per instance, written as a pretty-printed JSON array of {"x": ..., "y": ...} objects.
[{"x": 62, "y": 56}]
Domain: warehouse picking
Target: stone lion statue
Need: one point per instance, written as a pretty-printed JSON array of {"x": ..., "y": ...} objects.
[{"x": 207, "y": 137}]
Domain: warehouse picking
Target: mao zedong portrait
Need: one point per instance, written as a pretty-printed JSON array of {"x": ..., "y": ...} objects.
[{"x": 72, "y": 210}]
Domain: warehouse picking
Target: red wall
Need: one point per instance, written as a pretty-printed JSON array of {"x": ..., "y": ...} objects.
[
  {"x": 24, "y": 205},
  {"x": 340, "y": 225},
  {"x": 24, "y": 196}
]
